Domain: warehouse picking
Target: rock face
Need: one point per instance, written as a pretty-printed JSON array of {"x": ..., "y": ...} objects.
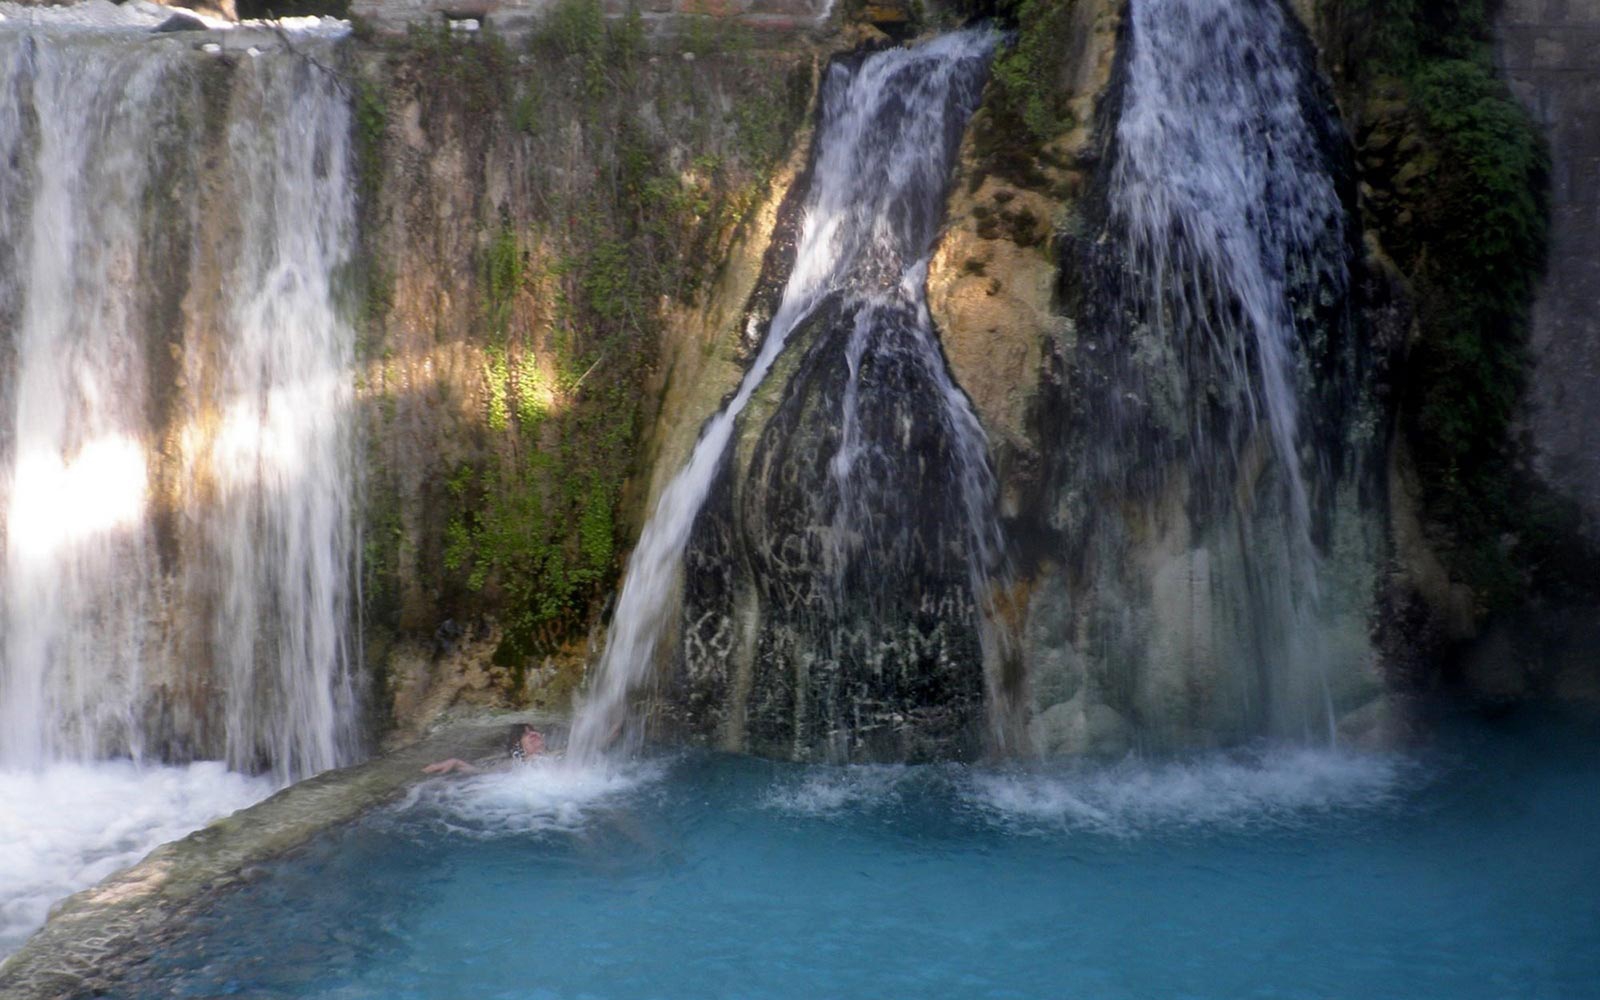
[
  {"x": 1549, "y": 52},
  {"x": 543, "y": 243},
  {"x": 830, "y": 597},
  {"x": 863, "y": 645},
  {"x": 561, "y": 234},
  {"x": 316, "y": 349}
]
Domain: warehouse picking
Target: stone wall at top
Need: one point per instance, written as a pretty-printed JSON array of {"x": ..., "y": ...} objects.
[
  {"x": 512, "y": 17},
  {"x": 1549, "y": 53}
]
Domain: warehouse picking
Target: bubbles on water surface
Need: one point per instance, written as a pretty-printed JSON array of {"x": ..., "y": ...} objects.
[
  {"x": 1275, "y": 788},
  {"x": 828, "y": 791}
]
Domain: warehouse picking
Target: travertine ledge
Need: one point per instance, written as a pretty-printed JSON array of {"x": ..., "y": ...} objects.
[{"x": 93, "y": 937}]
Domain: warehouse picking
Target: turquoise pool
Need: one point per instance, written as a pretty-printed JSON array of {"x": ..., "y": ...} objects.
[{"x": 1467, "y": 867}]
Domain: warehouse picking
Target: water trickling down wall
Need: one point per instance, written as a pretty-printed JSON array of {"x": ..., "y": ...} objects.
[
  {"x": 833, "y": 531},
  {"x": 176, "y": 461},
  {"x": 1216, "y": 566}
]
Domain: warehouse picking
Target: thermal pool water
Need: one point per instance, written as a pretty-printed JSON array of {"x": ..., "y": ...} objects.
[{"x": 1466, "y": 868}]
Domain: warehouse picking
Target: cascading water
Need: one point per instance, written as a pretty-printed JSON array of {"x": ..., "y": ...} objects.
[
  {"x": 1220, "y": 191},
  {"x": 1213, "y": 381},
  {"x": 78, "y": 560},
  {"x": 178, "y": 452},
  {"x": 898, "y": 518},
  {"x": 281, "y": 452},
  {"x": 176, "y": 437}
]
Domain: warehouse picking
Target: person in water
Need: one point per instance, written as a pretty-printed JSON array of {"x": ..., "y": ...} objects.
[{"x": 525, "y": 742}]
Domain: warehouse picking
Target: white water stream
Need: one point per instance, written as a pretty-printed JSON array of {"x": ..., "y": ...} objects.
[
  {"x": 248, "y": 457},
  {"x": 1218, "y": 187},
  {"x": 1224, "y": 196}
]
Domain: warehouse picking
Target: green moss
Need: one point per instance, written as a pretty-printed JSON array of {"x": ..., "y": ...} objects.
[
  {"x": 597, "y": 529},
  {"x": 373, "y": 282},
  {"x": 497, "y": 377},
  {"x": 1467, "y": 220},
  {"x": 1025, "y": 105},
  {"x": 502, "y": 279},
  {"x": 1027, "y": 75},
  {"x": 525, "y": 113},
  {"x": 1400, "y": 37},
  {"x": 609, "y": 288},
  {"x": 372, "y": 124},
  {"x": 544, "y": 533},
  {"x": 575, "y": 31},
  {"x": 530, "y": 399}
]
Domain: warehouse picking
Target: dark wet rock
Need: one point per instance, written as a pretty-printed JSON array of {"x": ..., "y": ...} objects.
[
  {"x": 837, "y": 633},
  {"x": 180, "y": 21}
]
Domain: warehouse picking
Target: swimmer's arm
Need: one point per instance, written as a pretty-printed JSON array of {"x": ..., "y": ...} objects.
[{"x": 453, "y": 765}]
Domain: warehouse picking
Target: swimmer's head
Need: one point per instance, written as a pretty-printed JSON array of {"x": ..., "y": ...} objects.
[{"x": 525, "y": 741}]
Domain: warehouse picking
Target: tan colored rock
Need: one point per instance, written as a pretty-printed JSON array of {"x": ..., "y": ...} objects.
[
  {"x": 432, "y": 683},
  {"x": 887, "y": 12},
  {"x": 224, "y": 9},
  {"x": 992, "y": 300},
  {"x": 992, "y": 277}
]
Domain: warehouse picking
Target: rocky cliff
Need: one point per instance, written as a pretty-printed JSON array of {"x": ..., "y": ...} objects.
[
  {"x": 547, "y": 226},
  {"x": 1426, "y": 517},
  {"x": 570, "y": 233}
]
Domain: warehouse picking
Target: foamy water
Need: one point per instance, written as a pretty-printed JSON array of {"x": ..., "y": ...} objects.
[
  {"x": 549, "y": 794},
  {"x": 67, "y": 826},
  {"x": 1283, "y": 787},
  {"x": 826, "y": 791},
  {"x": 1278, "y": 788}
]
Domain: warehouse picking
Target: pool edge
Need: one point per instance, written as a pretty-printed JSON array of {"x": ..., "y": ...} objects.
[{"x": 93, "y": 936}]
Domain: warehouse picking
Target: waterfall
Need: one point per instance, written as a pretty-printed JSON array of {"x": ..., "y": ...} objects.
[
  {"x": 176, "y": 436},
  {"x": 281, "y": 452},
  {"x": 889, "y": 126},
  {"x": 1220, "y": 189},
  {"x": 1216, "y": 541},
  {"x": 78, "y": 560}
]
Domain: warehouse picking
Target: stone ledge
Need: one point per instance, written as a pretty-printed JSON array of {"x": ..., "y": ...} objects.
[{"x": 93, "y": 937}]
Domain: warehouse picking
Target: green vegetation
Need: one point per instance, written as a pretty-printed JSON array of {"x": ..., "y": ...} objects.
[
  {"x": 1401, "y": 37},
  {"x": 472, "y": 70},
  {"x": 1025, "y": 106},
  {"x": 1465, "y": 215},
  {"x": 1027, "y": 75},
  {"x": 630, "y": 170}
]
